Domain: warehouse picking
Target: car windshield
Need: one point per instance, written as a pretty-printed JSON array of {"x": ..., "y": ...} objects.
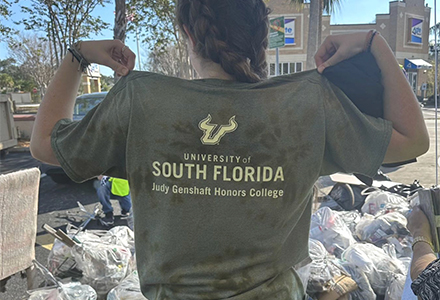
[{"x": 84, "y": 104}]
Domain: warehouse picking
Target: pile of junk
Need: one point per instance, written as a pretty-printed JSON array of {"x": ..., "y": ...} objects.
[
  {"x": 359, "y": 245},
  {"x": 89, "y": 264}
]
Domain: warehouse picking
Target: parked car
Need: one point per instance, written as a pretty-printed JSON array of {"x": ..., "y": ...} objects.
[
  {"x": 83, "y": 104},
  {"x": 431, "y": 101}
]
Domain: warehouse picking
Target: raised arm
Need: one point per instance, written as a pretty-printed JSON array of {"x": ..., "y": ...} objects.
[
  {"x": 60, "y": 97},
  {"x": 410, "y": 137}
]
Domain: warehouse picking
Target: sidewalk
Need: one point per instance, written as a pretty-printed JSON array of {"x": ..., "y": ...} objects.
[{"x": 424, "y": 169}]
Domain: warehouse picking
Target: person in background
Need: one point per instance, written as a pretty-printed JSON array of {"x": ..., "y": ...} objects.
[
  {"x": 113, "y": 188},
  {"x": 425, "y": 266}
]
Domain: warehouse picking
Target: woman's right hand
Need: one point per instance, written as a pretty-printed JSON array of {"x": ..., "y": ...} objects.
[
  {"x": 337, "y": 48},
  {"x": 418, "y": 224},
  {"x": 111, "y": 53}
]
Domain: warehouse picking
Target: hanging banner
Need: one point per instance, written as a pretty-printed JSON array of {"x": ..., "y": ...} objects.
[
  {"x": 416, "y": 30},
  {"x": 276, "y": 35},
  {"x": 289, "y": 31}
]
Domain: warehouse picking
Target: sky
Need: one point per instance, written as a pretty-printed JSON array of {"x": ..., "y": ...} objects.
[{"x": 349, "y": 12}]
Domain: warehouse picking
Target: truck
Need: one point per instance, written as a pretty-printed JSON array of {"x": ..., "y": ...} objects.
[{"x": 8, "y": 132}]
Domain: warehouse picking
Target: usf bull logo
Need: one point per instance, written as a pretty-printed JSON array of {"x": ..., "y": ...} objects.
[{"x": 212, "y": 136}]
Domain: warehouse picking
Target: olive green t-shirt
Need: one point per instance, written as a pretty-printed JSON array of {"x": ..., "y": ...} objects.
[{"x": 221, "y": 174}]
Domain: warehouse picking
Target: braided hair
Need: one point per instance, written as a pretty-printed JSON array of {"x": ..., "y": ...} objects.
[{"x": 232, "y": 33}]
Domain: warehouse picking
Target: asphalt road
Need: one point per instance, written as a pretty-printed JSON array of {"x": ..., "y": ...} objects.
[{"x": 57, "y": 207}]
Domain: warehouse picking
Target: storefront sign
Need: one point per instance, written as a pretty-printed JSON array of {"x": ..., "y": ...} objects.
[
  {"x": 416, "y": 30},
  {"x": 289, "y": 31}
]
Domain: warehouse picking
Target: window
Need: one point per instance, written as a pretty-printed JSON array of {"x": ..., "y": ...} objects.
[
  {"x": 286, "y": 68},
  {"x": 272, "y": 70}
]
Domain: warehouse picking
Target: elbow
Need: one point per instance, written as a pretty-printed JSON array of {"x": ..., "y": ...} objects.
[
  {"x": 41, "y": 150},
  {"x": 35, "y": 149},
  {"x": 422, "y": 144},
  {"x": 417, "y": 147}
]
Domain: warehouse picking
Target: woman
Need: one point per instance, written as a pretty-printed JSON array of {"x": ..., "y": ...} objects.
[{"x": 221, "y": 169}]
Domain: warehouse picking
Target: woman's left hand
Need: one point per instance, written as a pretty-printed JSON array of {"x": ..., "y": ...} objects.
[{"x": 111, "y": 53}]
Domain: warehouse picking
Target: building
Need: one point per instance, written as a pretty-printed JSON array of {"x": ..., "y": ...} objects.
[
  {"x": 91, "y": 80},
  {"x": 405, "y": 27}
]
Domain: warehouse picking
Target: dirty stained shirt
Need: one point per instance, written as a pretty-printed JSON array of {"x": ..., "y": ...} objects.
[{"x": 221, "y": 174}]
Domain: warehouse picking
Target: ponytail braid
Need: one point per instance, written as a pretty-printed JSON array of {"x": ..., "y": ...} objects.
[{"x": 227, "y": 34}]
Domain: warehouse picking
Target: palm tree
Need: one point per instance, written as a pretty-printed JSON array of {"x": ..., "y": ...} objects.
[
  {"x": 120, "y": 28},
  {"x": 315, "y": 24}
]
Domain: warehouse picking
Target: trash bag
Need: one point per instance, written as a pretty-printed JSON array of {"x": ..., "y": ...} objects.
[
  {"x": 120, "y": 235},
  {"x": 129, "y": 288},
  {"x": 323, "y": 268},
  {"x": 351, "y": 219},
  {"x": 364, "y": 291},
  {"x": 378, "y": 230},
  {"x": 55, "y": 290},
  {"x": 60, "y": 260},
  {"x": 329, "y": 228},
  {"x": 59, "y": 257},
  {"x": 395, "y": 290},
  {"x": 70, "y": 291},
  {"x": 348, "y": 196},
  {"x": 378, "y": 200},
  {"x": 375, "y": 263},
  {"x": 103, "y": 265}
]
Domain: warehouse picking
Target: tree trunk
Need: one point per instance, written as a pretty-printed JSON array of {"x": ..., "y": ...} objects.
[
  {"x": 321, "y": 7},
  {"x": 312, "y": 43},
  {"x": 120, "y": 28}
]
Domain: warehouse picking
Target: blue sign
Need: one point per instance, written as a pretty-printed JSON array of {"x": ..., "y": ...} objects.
[
  {"x": 416, "y": 31},
  {"x": 289, "y": 31}
]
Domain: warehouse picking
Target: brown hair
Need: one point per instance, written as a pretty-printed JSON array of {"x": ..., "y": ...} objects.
[{"x": 232, "y": 33}]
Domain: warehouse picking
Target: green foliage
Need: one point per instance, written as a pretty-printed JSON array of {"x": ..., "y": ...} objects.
[
  {"x": 155, "y": 20},
  {"x": 21, "y": 79},
  {"x": 107, "y": 83},
  {"x": 64, "y": 21},
  {"x": 6, "y": 81},
  {"x": 5, "y": 13}
]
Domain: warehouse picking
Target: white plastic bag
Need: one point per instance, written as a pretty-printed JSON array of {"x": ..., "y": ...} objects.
[
  {"x": 350, "y": 218},
  {"x": 70, "y": 291},
  {"x": 395, "y": 290},
  {"x": 364, "y": 291},
  {"x": 379, "y": 229},
  {"x": 120, "y": 235},
  {"x": 323, "y": 269},
  {"x": 379, "y": 200},
  {"x": 329, "y": 228},
  {"x": 379, "y": 267},
  {"x": 129, "y": 288},
  {"x": 104, "y": 266}
]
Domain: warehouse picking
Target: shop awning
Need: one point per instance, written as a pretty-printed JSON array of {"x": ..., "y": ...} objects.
[{"x": 417, "y": 63}]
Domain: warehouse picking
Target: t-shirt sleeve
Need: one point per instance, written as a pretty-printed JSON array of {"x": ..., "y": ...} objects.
[
  {"x": 97, "y": 144},
  {"x": 354, "y": 142}
]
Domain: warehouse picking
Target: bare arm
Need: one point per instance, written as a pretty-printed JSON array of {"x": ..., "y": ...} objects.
[
  {"x": 410, "y": 136},
  {"x": 57, "y": 104},
  {"x": 423, "y": 255},
  {"x": 59, "y": 100}
]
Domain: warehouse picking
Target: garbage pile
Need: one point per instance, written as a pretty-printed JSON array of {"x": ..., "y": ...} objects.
[
  {"x": 100, "y": 265},
  {"x": 359, "y": 244}
]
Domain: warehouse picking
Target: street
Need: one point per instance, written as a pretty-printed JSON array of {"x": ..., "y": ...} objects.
[{"x": 56, "y": 200}]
